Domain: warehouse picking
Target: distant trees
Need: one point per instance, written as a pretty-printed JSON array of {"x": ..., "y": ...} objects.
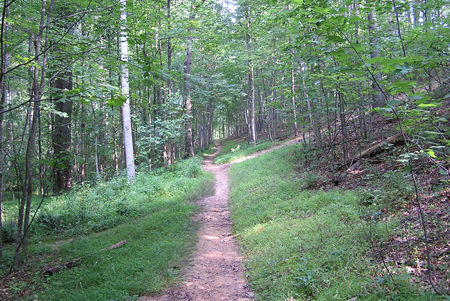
[{"x": 318, "y": 65}]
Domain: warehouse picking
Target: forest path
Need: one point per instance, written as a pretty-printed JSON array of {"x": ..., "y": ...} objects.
[{"x": 216, "y": 272}]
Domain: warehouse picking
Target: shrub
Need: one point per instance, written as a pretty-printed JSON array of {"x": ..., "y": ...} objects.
[
  {"x": 395, "y": 188},
  {"x": 190, "y": 168},
  {"x": 9, "y": 231},
  {"x": 311, "y": 180}
]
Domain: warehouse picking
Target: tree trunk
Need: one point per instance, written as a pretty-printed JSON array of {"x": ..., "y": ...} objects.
[
  {"x": 36, "y": 93},
  {"x": 94, "y": 117},
  {"x": 169, "y": 51},
  {"x": 294, "y": 105},
  {"x": 62, "y": 138},
  {"x": 3, "y": 102},
  {"x": 187, "y": 91},
  {"x": 377, "y": 98},
  {"x": 251, "y": 79},
  {"x": 312, "y": 119},
  {"x": 83, "y": 146},
  {"x": 126, "y": 118},
  {"x": 343, "y": 127}
]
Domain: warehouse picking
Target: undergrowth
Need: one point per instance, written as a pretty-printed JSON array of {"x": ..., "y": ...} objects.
[
  {"x": 153, "y": 214},
  {"x": 310, "y": 245},
  {"x": 109, "y": 203}
]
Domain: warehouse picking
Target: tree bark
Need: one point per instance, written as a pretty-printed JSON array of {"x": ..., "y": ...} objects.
[
  {"x": 377, "y": 99},
  {"x": 251, "y": 78},
  {"x": 62, "y": 135},
  {"x": 294, "y": 105},
  {"x": 126, "y": 118},
  {"x": 187, "y": 88},
  {"x": 3, "y": 102},
  {"x": 36, "y": 93}
]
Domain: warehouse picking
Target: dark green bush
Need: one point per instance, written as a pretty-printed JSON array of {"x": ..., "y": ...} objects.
[
  {"x": 9, "y": 231},
  {"x": 311, "y": 180}
]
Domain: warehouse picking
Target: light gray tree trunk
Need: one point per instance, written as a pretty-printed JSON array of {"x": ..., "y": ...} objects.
[
  {"x": 294, "y": 105},
  {"x": 189, "y": 145},
  {"x": 251, "y": 79},
  {"x": 125, "y": 86}
]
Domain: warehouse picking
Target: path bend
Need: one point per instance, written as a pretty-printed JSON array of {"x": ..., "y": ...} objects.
[{"x": 216, "y": 272}]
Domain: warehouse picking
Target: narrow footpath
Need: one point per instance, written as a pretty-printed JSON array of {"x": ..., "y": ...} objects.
[{"x": 216, "y": 272}]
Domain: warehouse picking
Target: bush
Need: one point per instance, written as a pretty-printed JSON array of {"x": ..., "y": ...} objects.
[
  {"x": 9, "y": 231},
  {"x": 190, "y": 168},
  {"x": 395, "y": 188},
  {"x": 311, "y": 180}
]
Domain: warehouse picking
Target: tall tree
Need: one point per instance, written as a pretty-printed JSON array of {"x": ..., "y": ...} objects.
[
  {"x": 251, "y": 76},
  {"x": 125, "y": 88},
  {"x": 187, "y": 83}
]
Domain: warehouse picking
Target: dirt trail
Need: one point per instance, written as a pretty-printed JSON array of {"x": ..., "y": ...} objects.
[{"x": 217, "y": 272}]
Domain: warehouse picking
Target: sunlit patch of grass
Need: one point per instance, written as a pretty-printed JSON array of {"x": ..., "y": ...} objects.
[
  {"x": 238, "y": 148},
  {"x": 304, "y": 244}
]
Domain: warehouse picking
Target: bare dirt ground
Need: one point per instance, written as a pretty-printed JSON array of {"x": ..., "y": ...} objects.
[{"x": 217, "y": 272}]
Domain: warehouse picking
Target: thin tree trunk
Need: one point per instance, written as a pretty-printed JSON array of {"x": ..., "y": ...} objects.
[
  {"x": 126, "y": 118},
  {"x": 312, "y": 118},
  {"x": 294, "y": 105},
  {"x": 187, "y": 88},
  {"x": 3, "y": 102},
  {"x": 36, "y": 90},
  {"x": 377, "y": 99},
  {"x": 83, "y": 147},
  {"x": 251, "y": 78},
  {"x": 343, "y": 127},
  {"x": 169, "y": 50},
  {"x": 94, "y": 116}
]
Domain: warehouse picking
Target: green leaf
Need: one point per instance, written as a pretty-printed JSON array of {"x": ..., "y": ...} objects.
[
  {"x": 431, "y": 153},
  {"x": 428, "y": 105}
]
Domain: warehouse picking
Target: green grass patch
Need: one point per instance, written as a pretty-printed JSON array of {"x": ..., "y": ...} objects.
[
  {"x": 153, "y": 215},
  {"x": 304, "y": 244},
  {"x": 238, "y": 148}
]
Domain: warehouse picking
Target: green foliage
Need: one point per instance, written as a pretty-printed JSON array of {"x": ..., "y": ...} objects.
[
  {"x": 9, "y": 231},
  {"x": 394, "y": 189},
  {"x": 302, "y": 244},
  {"x": 210, "y": 150},
  {"x": 110, "y": 203},
  {"x": 310, "y": 180}
]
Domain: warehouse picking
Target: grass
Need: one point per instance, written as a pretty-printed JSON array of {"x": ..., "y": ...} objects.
[
  {"x": 153, "y": 215},
  {"x": 308, "y": 245},
  {"x": 238, "y": 148}
]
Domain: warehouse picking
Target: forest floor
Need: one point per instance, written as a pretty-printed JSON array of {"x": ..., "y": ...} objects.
[{"x": 216, "y": 271}]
